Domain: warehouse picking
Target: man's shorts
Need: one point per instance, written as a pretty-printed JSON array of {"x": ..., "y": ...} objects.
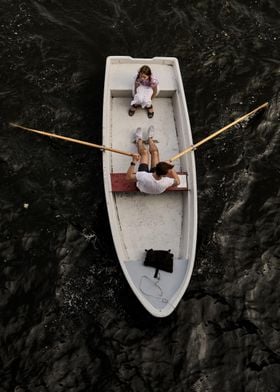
[{"x": 144, "y": 167}]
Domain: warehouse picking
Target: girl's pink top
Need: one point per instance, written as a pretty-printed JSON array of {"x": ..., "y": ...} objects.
[{"x": 153, "y": 82}]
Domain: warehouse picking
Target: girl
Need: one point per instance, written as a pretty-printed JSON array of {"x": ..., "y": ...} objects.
[{"x": 145, "y": 89}]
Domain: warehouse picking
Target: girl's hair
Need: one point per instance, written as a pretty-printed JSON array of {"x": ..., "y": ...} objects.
[{"x": 146, "y": 70}]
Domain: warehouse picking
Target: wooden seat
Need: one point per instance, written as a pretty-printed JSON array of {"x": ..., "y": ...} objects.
[
  {"x": 121, "y": 184},
  {"x": 122, "y": 80}
]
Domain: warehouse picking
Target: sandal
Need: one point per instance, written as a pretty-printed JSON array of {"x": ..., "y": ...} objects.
[
  {"x": 150, "y": 114},
  {"x": 131, "y": 111}
]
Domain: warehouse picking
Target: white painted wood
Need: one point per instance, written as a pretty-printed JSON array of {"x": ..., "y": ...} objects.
[{"x": 139, "y": 221}]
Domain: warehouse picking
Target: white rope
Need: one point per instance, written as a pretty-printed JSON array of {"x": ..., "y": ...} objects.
[{"x": 165, "y": 300}]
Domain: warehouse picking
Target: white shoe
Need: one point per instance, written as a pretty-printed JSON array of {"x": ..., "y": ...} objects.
[
  {"x": 151, "y": 131},
  {"x": 138, "y": 134}
]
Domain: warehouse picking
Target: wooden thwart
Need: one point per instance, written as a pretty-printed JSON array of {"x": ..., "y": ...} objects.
[{"x": 121, "y": 184}]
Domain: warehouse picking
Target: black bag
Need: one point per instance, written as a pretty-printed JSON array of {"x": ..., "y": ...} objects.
[{"x": 159, "y": 259}]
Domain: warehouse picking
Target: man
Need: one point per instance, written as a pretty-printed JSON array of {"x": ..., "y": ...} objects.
[{"x": 161, "y": 175}]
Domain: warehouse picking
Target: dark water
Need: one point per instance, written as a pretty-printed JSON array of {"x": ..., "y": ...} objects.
[{"x": 68, "y": 320}]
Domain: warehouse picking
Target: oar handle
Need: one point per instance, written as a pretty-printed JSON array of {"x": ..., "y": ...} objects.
[
  {"x": 191, "y": 148},
  {"x": 69, "y": 139}
]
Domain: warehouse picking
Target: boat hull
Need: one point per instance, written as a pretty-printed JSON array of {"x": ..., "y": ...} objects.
[{"x": 139, "y": 221}]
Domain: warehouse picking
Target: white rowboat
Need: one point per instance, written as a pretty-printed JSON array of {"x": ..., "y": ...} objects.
[{"x": 139, "y": 221}]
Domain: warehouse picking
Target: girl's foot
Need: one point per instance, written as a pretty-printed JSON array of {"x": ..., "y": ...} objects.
[
  {"x": 150, "y": 112},
  {"x": 131, "y": 111}
]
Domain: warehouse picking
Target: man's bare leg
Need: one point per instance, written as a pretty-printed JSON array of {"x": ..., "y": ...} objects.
[
  {"x": 153, "y": 147},
  {"x": 144, "y": 156}
]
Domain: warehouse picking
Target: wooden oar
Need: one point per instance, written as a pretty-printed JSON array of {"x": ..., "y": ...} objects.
[
  {"x": 69, "y": 139},
  {"x": 193, "y": 147}
]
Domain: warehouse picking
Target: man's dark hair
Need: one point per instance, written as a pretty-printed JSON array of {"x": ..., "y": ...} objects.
[{"x": 162, "y": 168}]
